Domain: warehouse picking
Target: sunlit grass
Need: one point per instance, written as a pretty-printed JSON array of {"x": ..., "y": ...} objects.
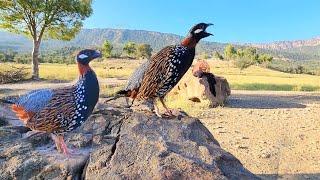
[{"x": 253, "y": 78}]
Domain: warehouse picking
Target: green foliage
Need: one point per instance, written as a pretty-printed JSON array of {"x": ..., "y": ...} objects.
[
  {"x": 274, "y": 87},
  {"x": 7, "y": 56},
  {"x": 244, "y": 58},
  {"x": 106, "y": 49},
  {"x": 63, "y": 56},
  {"x": 56, "y": 19},
  {"x": 243, "y": 62},
  {"x": 264, "y": 58},
  {"x": 229, "y": 52},
  {"x": 144, "y": 51},
  {"x": 217, "y": 55},
  {"x": 38, "y": 19},
  {"x": 130, "y": 48},
  {"x": 2, "y": 57},
  {"x": 295, "y": 67}
]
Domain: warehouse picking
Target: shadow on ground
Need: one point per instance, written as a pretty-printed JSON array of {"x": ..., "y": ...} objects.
[
  {"x": 9, "y": 92},
  {"x": 253, "y": 101},
  {"x": 289, "y": 176}
]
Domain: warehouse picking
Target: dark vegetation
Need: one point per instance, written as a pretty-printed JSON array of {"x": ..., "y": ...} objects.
[
  {"x": 120, "y": 43},
  {"x": 311, "y": 67},
  {"x": 66, "y": 55},
  {"x": 13, "y": 74}
]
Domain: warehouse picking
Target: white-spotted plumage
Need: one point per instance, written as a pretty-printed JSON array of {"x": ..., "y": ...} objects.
[{"x": 173, "y": 74}]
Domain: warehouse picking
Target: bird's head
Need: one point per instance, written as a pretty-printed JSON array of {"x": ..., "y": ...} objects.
[
  {"x": 198, "y": 31},
  {"x": 85, "y": 56}
]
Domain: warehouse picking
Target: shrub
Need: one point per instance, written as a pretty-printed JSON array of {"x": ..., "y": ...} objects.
[{"x": 13, "y": 74}]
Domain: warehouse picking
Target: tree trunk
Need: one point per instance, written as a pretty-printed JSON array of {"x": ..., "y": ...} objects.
[{"x": 35, "y": 60}]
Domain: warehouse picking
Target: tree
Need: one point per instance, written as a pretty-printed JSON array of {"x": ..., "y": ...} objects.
[
  {"x": 229, "y": 52},
  {"x": 130, "y": 49},
  {"x": 144, "y": 51},
  {"x": 2, "y": 57},
  {"x": 264, "y": 58},
  {"x": 251, "y": 53},
  {"x": 106, "y": 49},
  {"x": 39, "y": 19},
  {"x": 243, "y": 63}
]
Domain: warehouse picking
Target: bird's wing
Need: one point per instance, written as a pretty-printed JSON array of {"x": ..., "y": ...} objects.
[
  {"x": 136, "y": 78},
  {"x": 58, "y": 114},
  {"x": 156, "y": 74},
  {"x": 29, "y": 104}
]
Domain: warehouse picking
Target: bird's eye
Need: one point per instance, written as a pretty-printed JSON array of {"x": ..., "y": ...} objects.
[
  {"x": 198, "y": 31},
  {"x": 82, "y": 56}
]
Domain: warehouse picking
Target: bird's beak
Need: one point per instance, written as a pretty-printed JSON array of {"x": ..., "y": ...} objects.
[
  {"x": 97, "y": 54},
  {"x": 205, "y": 27}
]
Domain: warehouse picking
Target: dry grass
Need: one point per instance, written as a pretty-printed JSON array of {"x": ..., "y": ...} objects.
[{"x": 253, "y": 78}]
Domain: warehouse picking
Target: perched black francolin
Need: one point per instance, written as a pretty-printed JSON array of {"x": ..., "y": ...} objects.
[
  {"x": 58, "y": 111},
  {"x": 164, "y": 70}
]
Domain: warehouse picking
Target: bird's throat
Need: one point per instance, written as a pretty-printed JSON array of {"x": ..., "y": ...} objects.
[
  {"x": 189, "y": 42},
  {"x": 83, "y": 69}
]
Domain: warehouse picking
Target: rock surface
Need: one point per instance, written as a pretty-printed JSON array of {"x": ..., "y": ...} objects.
[{"x": 116, "y": 143}]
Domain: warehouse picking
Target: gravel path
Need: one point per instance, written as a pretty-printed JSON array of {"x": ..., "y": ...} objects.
[
  {"x": 20, "y": 88},
  {"x": 274, "y": 134}
]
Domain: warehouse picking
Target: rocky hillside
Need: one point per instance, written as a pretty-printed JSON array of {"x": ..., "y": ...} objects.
[
  {"x": 116, "y": 143},
  {"x": 95, "y": 37},
  {"x": 282, "y": 45}
]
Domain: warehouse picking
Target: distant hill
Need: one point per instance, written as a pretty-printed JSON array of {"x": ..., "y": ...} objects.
[
  {"x": 95, "y": 37},
  {"x": 285, "y": 45},
  {"x": 291, "y": 50}
]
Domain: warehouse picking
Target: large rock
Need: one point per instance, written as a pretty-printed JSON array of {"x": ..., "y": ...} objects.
[{"x": 116, "y": 143}]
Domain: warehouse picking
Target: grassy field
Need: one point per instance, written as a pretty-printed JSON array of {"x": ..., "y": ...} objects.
[{"x": 253, "y": 78}]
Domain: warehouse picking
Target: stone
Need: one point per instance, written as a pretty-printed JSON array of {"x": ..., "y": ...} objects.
[{"x": 117, "y": 143}]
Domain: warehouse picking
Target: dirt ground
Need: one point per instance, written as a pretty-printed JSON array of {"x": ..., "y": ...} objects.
[{"x": 274, "y": 134}]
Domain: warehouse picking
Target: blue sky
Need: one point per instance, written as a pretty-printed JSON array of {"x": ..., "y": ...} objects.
[{"x": 235, "y": 20}]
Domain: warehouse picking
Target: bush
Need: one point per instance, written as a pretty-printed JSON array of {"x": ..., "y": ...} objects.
[
  {"x": 243, "y": 62},
  {"x": 13, "y": 74}
]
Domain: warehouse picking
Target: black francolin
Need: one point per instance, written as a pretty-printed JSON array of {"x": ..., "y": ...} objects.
[
  {"x": 61, "y": 110},
  {"x": 165, "y": 69}
]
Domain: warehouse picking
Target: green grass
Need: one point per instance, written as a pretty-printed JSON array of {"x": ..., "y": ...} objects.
[{"x": 274, "y": 87}]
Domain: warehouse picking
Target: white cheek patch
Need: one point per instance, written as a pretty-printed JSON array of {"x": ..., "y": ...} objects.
[
  {"x": 198, "y": 31},
  {"x": 82, "y": 56}
]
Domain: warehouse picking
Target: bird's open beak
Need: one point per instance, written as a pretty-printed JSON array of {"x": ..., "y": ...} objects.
[
  {"x": 97, "y": 54},
  {"x": 205, "y": 27}
]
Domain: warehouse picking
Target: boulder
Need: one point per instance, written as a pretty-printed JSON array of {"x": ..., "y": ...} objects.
[
  {"x": 116, "y": 143},
  {"x": 222, "y": 89}
]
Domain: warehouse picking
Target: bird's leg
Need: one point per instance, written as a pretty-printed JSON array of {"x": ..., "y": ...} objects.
[
  {"x": 60, "y": 144},
  {"x": 168, "y": 111},
  {"x": 129, "y": 104},
  {"x": 156, "y": 109},
  {"x": 57, "y": 142},
  {"x": 64, "y": 147}
]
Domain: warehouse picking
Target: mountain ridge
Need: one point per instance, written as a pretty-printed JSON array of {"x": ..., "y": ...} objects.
[
  {"x": 284, "y": 45},
  {"x": 295, "y": 50}
]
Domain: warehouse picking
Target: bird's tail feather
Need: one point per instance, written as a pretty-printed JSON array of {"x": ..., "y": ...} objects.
[
  {"x": 119, "y": 94},
  {"x": 123, "y": 93},
  {"x": 5, "y": 101}
]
